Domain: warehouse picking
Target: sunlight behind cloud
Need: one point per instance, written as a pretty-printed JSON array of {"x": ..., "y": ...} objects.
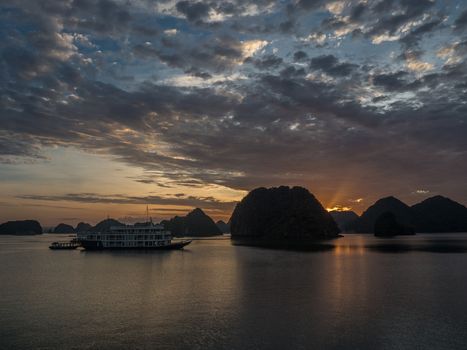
[
  {"x": 417, "y": 65},
  {"x": 339, "y": 208},
  {"x": 250, "y": 47}
]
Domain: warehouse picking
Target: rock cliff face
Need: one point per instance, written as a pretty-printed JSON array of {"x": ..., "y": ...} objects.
[
  {"x": 195, "y": 224},
  {"x": 83, "y": 227},
  {"x": 344, "y": 219},
  {"x": 23, "y": 227},
  {"x": 64, "y": 228},
  {"x": 366, "y": 222},
  {"x": 386, "y": 225},
  {"x": 281, "y": 214},
  {"x": 440, "y": 214}
]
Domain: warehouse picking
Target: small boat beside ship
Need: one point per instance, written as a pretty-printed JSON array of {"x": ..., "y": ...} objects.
[
  {"x": 64, "y": 245},
  {"x": 140, "y": 236}
]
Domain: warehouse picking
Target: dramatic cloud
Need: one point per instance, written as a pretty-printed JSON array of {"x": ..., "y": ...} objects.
[{"x": 354, "y": 99}]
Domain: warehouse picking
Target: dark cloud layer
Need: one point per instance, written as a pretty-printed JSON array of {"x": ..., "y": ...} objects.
[
  {"x": 231, "y": 93},
  {"x": 331, "y": 65},
  {"x": 180, "y": 200},
  {"x": 461, "y": 21}
]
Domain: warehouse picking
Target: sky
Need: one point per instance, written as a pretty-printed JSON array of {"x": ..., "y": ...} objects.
[{"x": 107, "y": 106}]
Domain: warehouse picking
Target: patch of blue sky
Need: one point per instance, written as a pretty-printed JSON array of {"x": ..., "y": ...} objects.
[
  {"x": 310, "y": 22},
  {"x": 170, "y": 22},
  {"x": 361, "y": 49},
  {"x": 106, "y": 44},
  {"x": 9, "y": 23}
]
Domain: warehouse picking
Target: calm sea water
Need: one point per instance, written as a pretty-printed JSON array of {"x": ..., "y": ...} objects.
[{"x": 362, "y": 292}]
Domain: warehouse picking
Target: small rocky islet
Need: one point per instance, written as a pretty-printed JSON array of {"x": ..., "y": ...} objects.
[{"x": 21, "y": 227}]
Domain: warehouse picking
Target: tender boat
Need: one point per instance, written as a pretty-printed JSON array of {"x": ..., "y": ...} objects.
[
  {"x": 64, "y": 245},
  {"x": 140, "y": 236}
]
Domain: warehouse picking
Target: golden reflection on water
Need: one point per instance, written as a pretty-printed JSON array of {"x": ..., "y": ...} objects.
[
  {"x": 344, "y": 247},
  {"x": 348, "y": 271}
]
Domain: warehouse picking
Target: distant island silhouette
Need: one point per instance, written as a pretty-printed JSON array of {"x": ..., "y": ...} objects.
[
  {"x": 195, "y": 224},
  {"x": 292, "y": 214},
  {"x": 435, "y": 214},
  {"x": 104, "y": 225},
  {"x": 439, "y": 214},
  {"x": 223, "y": 226},
  {"x": 344, "y": 218},
  {"x": 21, "y": 227},
  {"x": 63, "y": 228},
  {"x": 83, "y": 227},
  {"x": 366, "y": 222},
  {"x": 386, "y": 225}
]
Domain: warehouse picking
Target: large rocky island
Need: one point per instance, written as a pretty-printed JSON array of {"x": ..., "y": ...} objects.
[
  {"x": 282, "y": 217},
  {"x": 22, "y": 227}
]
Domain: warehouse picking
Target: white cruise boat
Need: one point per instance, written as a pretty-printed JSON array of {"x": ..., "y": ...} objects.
[{"x": 140, "y": 236}]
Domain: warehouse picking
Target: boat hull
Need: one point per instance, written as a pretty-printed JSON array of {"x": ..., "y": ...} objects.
[
  {"x": 63, "y": 248},
  {"x": 97, "y": 245}
]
